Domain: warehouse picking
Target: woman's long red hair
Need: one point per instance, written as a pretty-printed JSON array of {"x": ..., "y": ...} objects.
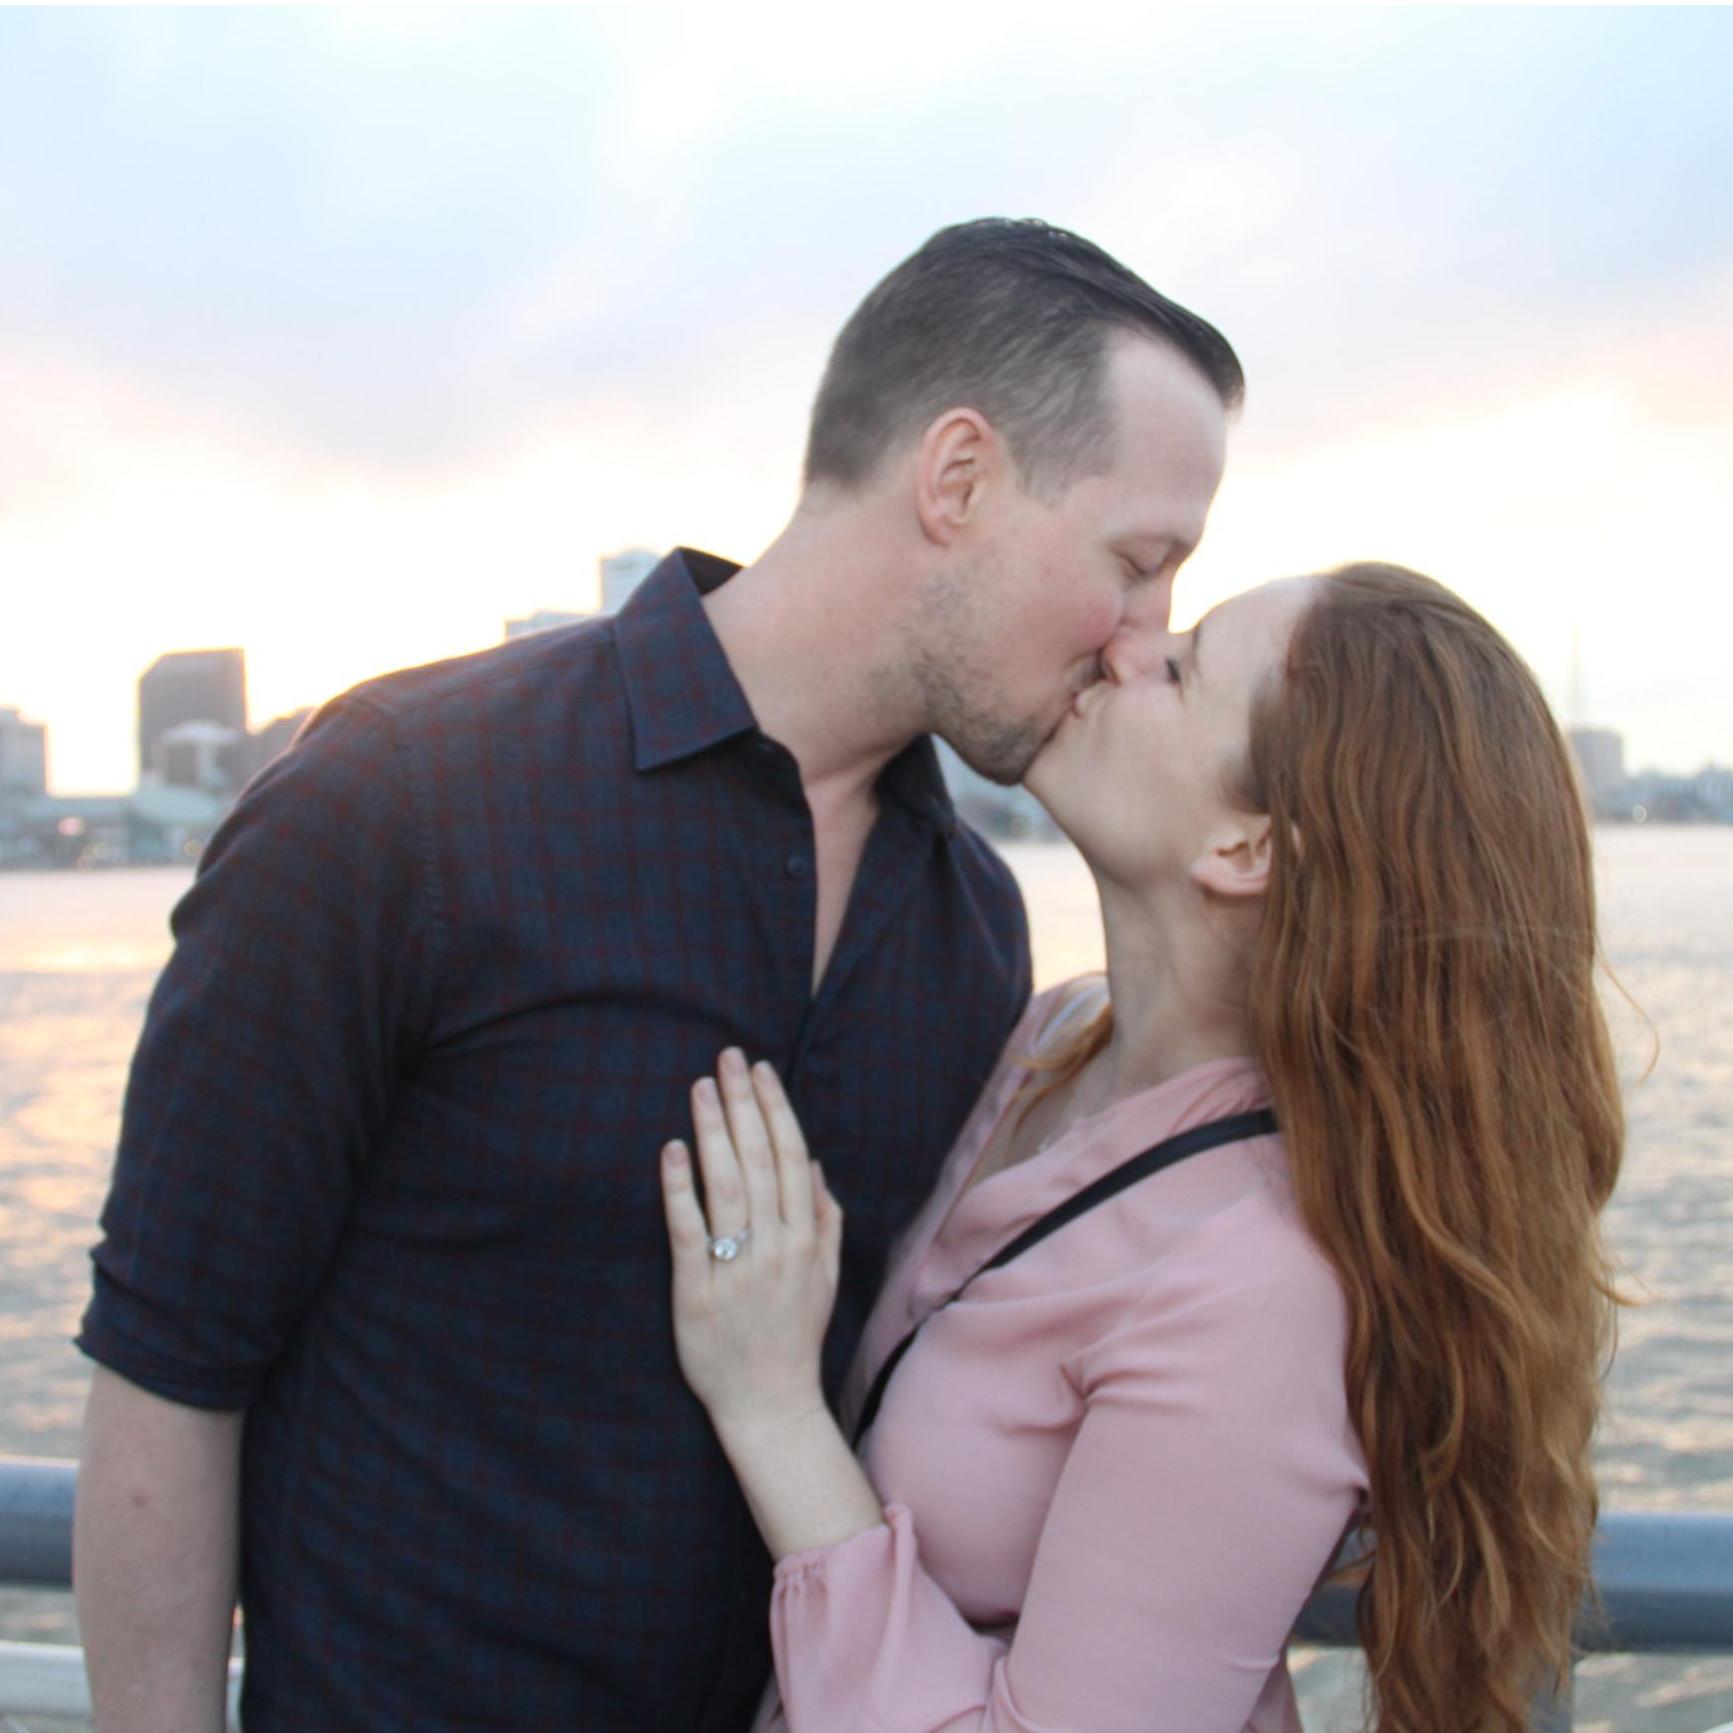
[{"x": 1423, "y": 1004}]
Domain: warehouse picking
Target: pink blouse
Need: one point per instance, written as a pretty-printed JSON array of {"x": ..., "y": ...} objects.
[{"x": 1112, "y": 1472}]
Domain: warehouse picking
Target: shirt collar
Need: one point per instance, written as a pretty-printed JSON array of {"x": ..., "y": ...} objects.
[
  {"x": 914, "y": 779},
  {"x": 681, "y": 693},
  {"x": 684, "y": 698}
]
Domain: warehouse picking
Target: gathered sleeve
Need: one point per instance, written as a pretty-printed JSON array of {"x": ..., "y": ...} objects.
[{"x": 1211, "y": 1478}]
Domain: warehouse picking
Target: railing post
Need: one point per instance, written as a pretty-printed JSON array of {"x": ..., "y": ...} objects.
[{"x": 36, "y": 1522}]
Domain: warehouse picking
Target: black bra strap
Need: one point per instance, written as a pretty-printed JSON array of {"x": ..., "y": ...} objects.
[{"x": 1237, "y": 1128}]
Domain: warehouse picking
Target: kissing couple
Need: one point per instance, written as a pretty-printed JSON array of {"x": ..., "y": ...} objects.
[{"x": 605, "y": 1237}]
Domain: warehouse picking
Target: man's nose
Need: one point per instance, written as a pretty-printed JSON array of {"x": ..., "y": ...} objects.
[
  {"x": 1143, "y": 638},
  {"x": 1136, "y": 649}
]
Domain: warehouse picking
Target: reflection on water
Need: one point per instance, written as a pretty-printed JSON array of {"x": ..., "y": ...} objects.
[
  {"x": 87, "y": 923},
  {"x": 79, "y": 952}
]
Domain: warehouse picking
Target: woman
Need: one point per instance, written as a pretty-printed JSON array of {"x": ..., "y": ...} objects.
[{"x": 1344, "y": 871}]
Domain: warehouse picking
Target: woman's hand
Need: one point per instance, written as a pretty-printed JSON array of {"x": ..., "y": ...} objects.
[{"x": 749, "y": 1327}]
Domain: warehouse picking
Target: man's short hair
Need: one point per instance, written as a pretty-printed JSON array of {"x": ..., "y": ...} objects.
[{"x": 1008, "y": 317}]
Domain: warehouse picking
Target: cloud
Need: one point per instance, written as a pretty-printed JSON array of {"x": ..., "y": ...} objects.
[
  {"x": 389, "y": 237},
  {"x": 397, "y": 317}
]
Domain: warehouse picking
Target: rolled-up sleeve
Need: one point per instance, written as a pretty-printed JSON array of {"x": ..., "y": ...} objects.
[
  {"x": 299, "y": 986},
  {"x": 1208, "y": 1485}
]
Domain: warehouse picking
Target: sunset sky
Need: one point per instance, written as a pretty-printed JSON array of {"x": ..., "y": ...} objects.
[{"x": 343, "y": 335}]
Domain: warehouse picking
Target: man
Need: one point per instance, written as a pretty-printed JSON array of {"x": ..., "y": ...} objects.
[{"x": 381, "y": 1308}]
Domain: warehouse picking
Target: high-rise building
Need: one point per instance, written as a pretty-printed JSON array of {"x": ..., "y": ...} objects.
[
  {"x": 622, "y": 573},
  {"x": 190, "y": 686},
  {"x": 1600, "y": 755},
  {"x": 23, "y": 755}
]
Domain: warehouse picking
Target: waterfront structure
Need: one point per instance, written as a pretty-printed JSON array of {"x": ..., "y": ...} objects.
[
  {"x": 190, "y": 686},
  {"x": 542, "y": 620},
  {"x": 154, "y": 825},
  {"x": 622, "y": 573},
  {"x": 23, "y": 756}
]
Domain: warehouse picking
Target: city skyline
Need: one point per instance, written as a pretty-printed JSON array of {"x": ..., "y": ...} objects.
[
  {"x": 342, "y": 336},
  {"x": 195, "y": 726},
  {"x": 195, "y": 758},
  {"x": 1600, "y": 746}
]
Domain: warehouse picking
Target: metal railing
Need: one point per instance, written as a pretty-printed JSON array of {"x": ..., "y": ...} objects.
[{"x": 1665, "y": 1584}]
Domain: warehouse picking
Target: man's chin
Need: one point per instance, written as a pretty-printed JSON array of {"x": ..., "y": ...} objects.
[{"x": 1004, "y": 758}]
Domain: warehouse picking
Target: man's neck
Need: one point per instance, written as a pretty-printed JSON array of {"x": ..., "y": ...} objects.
[{"x": 809, "y": 630}]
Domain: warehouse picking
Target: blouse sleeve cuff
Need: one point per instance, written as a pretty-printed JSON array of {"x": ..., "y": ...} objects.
[
  {"x": 816, "y": 1559},
  {"x": 860, "y": 1630}
]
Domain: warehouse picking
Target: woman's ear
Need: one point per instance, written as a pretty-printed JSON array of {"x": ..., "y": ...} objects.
[{"x": 1235, "y": 863}]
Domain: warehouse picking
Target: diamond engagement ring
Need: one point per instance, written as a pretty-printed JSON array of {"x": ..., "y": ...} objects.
[{"x": 725, "y": 1248}]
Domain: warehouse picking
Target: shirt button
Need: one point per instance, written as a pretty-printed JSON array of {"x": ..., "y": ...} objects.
[{"x": 797, "y": 866}]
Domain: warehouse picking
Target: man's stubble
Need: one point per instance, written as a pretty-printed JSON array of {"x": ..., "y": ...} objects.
[{"x": 960, "y": 689}]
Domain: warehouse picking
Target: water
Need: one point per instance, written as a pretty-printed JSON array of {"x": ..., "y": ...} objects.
[{"x": 78, "y": 954}]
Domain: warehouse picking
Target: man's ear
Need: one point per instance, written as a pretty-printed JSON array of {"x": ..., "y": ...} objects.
[
  {"x": 1235, "y": 863},
  {"x": 957, "y": 454}
]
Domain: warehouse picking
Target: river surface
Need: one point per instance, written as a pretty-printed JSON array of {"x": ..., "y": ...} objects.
[{"x": 79, "y": 952}]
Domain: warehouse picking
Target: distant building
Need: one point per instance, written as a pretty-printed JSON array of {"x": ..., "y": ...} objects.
[
  {"x": 622, "y": 573},
  {"x": 542, "y": 620},
  {"x": 23, "y": 756},
  {"x": 1600, "y": 754},
  {"x": 190, "y": 686}
]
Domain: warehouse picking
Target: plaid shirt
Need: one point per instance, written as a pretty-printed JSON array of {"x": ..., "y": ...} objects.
[{"x": 388, "y": 1170}]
